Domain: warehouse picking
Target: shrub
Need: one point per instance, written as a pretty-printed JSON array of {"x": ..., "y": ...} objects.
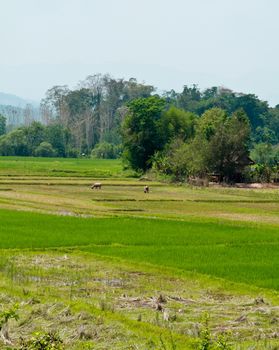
[
  {"x": 173, "y": 162},
  {"x": 43, "y": 341},
  {"x": 105, "y": 150},
  {"x": 72, "y": 153},
  {"x": 45, "y": 149}
]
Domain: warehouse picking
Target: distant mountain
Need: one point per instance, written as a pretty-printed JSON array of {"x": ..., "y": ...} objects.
[
  {"x": 14, "y": 109},
  {"x": 13, "y": 100}
]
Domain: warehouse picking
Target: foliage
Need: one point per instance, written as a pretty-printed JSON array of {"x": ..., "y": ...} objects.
[
  {"x": 261, "y": 173},
  {"x": 174, "y": 161},
  {"x": 264, "y": 120},
  {"x": 72, "y": 153},
  {"x": 92, "y": 110},
  {"x": 59, "y": 137},
  {"x": 14, "y": 144},
  {"x": 266, "y": 157},
  {"x": 223, "y": 341},
  {"x": 179, "y": 145},
  {"x": 36, "y": 140},
  {"x": 220, "y": 146},
  {"x": 90, "y": 117},
  {"x": 7, "y": 315},
  {"x": 141, "y": 131},
  {"x": 149, "y": 129},
  {"x": 34, "y": 134},
  {"x": 177, "y": 123},
  {"x": 45, "y": 149},
  {"x": 265, "y": 154},
  {"x": 205, "y": 335},
  {"x": 206, "y": 339},
  {"x": 105, "y": 150},
  {"x": 43, "y": 341},
  {"x": 2, "y": 125},
  {"x": 223, "y": 143}
]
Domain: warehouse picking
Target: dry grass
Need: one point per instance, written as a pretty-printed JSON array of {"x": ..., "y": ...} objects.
[
  {"x": 120, "y": 197},
  {"x": 91, "y": 299}
]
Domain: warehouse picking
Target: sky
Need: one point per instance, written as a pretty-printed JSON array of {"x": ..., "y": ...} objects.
[{"x": 169, "y": 44}]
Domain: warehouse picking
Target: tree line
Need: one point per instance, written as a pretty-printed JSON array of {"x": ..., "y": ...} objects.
[
  {"x": 180, "y": 135},
  {"x": 181, "y": 145},
  {"x": 37, "y": 140},
  {"x": 94, "y": 111}
]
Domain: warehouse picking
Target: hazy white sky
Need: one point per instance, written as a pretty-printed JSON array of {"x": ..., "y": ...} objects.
[{"x": 168, "y": 43}]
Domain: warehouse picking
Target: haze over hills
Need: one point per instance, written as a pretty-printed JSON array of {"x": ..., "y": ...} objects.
[
  {"x": 18, "y": 110},
  {"x": 16, "y": 101}
]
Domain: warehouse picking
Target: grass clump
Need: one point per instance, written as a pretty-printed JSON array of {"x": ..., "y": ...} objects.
[{"x": 42, "y": 341}]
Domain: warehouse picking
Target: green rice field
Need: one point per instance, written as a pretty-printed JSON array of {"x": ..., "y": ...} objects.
[
  {"x": 59, "y": 166},
  {"x": 113, "y": 255},
  {"x": 237, "y": 252}
]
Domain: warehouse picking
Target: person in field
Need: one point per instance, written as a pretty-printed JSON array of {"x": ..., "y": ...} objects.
[
  {"x": 97, "y": 186},
  {"x": 146, "y": 189}
]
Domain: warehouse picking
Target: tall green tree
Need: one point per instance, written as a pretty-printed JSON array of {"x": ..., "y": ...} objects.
[
  {"x": 222, "y": 142},
  {"x": 59, "y": 138},
  {"x": 189, "y": 98},
  {"x": 177, "y": 124},
  {"x": 141, "y": 131},
  {"x": 14, "y": 144},
  {"x": 34, "y": 135},
  {"x": 265, "y": 154}
]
